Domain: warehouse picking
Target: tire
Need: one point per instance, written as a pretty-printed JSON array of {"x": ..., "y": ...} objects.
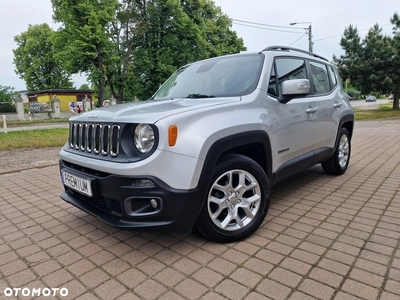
[
  {"x": 338, "y": 163},
  {"x": 237, "y": 200}
]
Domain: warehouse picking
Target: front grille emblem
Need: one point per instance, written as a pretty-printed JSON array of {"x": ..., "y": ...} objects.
[{"x": 93, "y": 116}]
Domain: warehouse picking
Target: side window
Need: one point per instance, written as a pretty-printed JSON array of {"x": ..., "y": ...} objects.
[
  {"x": 333, "y": 75},
  {"x": 272, "y": 88},
  {"x": 320, "y": 78},
  {"x": 286, "y": 69}
]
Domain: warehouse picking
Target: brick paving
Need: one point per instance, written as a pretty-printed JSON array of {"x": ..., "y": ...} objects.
[{"x": 325, "y": 237}]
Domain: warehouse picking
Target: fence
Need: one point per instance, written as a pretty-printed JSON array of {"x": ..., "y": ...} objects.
[
  {"x": 38, "y": 107},
  {"x": 33, "y": 107}
]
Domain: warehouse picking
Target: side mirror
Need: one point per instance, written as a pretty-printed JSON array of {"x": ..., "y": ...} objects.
[{"x": 293, "y": 88}]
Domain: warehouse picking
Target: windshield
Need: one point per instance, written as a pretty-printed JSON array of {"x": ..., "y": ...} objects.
[{"x": 225, "y": 76}]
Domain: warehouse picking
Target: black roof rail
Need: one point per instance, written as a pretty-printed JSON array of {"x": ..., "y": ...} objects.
[{"x": 286, "y": 48}]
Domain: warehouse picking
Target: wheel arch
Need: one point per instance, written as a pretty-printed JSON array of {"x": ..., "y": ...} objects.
[
  {"x": 347, "y": 121},
  {"x": 255, "y": 145}
]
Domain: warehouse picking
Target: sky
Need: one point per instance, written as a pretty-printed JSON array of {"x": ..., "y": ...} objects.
[{"x": 328, "y": 20}]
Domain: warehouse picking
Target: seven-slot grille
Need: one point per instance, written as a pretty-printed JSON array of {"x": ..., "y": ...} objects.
[{"x": 95, "y": 138}]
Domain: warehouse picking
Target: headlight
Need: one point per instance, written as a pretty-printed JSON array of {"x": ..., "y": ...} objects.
[{"x": 144, "y": 138}]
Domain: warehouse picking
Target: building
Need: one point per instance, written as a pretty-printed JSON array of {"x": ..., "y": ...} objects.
[
  {"x": 67, "y": 97},
  {"x": 23, "y": 95}
]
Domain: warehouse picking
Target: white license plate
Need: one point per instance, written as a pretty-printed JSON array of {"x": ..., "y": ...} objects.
[{"x": 81, "y": 185}]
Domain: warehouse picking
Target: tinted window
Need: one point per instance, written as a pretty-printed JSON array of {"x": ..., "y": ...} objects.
[
  {"x": 286, "y": 69},
  {"x": 333, "y": 75},
  {"x": 272, "y": 88},
  {"x": 320, "y": 78}
]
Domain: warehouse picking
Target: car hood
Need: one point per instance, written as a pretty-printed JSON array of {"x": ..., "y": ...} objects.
[{"x": 149, "y": 111}]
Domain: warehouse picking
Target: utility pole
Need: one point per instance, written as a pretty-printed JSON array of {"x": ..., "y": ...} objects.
[
  {"x": 310, "y": 43},
  {"x": 309, "y": 32}
]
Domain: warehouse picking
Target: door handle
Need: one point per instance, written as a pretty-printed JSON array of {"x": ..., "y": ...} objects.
[
  {"x": 337, "y": 105},
  {"x": 311, "y": 110}
]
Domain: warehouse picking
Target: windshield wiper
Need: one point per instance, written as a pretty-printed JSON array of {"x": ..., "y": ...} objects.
[{"x": 196, "y": 96}]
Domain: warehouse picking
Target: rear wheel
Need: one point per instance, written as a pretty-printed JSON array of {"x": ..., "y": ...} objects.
[
  {"x": 340, "y": 159},
  {"x": 237, "y": 200}
]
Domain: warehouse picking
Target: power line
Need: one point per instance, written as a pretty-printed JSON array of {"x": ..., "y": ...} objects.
[
  {"x": 298, "y": 39},
  {"x": 264, "y": 28},
  {"x": 330, "y": 37},
  {"x": 266, "y": 25}
]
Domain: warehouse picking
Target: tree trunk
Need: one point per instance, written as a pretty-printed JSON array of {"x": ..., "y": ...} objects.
[
  {"x": 102, "y": 75},
  {"x": 396, "y": 96},
  {"x": 101, "y": 91},
  {"x": 396, "y": 101}
]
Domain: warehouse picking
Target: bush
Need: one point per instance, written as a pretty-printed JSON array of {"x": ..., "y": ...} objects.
[{"x": 7, "y": 107}]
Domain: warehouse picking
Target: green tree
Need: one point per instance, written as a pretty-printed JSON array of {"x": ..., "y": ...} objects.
[
  {"x": 215, "y": 27},
  {"x": 123, "y": 32},
  {"x": 372, "y": 63},
  {"x": 83, "y": 42},
  {"x": 395, "y": 60},
  {"x": 35, "y": 60},
  {"x": 84, "y": 86},
  {"x": 7, "y": 93},
  {"x": 130, "y": 47},
  {"x": 172, "y": 33}
]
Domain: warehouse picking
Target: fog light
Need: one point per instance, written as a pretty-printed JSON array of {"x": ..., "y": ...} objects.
[
  {"x": 153, "y": 203},
  {"x": 142, "y": 183}
]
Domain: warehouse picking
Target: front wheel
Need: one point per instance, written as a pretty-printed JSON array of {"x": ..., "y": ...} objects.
[
  {"x": 237, "y": 200},
  {"x": 338, "y": 163}
]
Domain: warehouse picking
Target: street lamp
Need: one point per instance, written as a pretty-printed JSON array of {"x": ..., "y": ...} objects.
[{"x": 310, "y": 43}]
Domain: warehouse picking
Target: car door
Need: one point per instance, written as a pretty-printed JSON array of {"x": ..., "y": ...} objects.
[
  {"x": 295, "y": 121},
  {"x": 329, "y": 102}
]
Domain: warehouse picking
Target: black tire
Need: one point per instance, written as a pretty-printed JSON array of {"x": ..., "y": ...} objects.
[
  {"x": 235, "y": 180},
  {"x": 338, "y": 163}
]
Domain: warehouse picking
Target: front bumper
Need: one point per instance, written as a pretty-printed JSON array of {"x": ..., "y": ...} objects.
[{"x": 123, "y": 203}]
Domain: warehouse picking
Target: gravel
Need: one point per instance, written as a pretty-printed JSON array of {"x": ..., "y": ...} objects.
[{"x": 21, "y": 159}]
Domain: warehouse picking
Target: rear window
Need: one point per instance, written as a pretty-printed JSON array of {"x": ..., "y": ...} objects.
[
  {"x": 320, "y": 78},
  {"x": 332, "y": 73}
]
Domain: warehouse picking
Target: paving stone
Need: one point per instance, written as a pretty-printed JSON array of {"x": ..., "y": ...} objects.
[
  {"x": 360, "y": 290},
  {"x": 285, "y": 277},
  {"x": 246, "y": 277},
  {"x": 272, "y": 289},
  {"x": 169, "y": 277},
  {"x": 191, "y": 289},
  {"x": 316, "y": 289},
  {"x": 325, "y": 237},
  {"x": 150, "y": 289},
  {"x": 110, "y": 290}
]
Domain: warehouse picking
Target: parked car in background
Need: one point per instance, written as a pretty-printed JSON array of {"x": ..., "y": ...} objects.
[
  {"x": 391, "y": 97},
  {"x": 370, "y": 99}
]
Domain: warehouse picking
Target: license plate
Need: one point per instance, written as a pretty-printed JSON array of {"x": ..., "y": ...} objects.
[{"x": 79, "y": 184}]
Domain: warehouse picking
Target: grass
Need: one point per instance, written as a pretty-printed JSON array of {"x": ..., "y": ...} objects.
[
  {"x": 57, "y": 137},
  {"x": 15, "y": 123},
  {"x": 385, "y": 111},
  {"x": 33, "y": 138}
]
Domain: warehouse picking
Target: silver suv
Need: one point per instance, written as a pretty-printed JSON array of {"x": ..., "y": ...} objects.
[{"x": 205, "y": 149}]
